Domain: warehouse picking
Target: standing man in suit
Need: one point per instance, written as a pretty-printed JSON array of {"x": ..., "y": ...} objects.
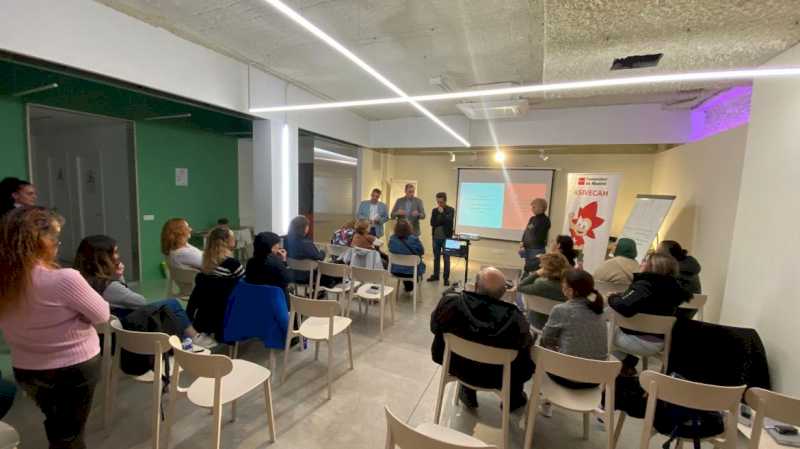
[
  {"x": 409, "y": 208},
  {"x": 442, "y": 218},
  {"x": 374, "y": 211}
]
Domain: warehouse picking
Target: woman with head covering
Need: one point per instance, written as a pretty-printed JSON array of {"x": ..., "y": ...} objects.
[
  {"x": 268, "y": 265},
  {"x": 620, "y": 268},
  {"x": 688, "y": 266}
]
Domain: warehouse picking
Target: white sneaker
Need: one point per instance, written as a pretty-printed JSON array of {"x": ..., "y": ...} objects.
[
  {"x": 546, "y": 409},
  {"x": 204, "y": 340}
]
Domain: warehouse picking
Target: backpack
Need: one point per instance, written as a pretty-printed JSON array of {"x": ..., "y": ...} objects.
[
  {"x": 684, "y": 423},
  {"x": 147, "y": 319}
]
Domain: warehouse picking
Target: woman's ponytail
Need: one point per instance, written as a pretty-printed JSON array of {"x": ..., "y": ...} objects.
[
  {"x": 597, "y": 304},
  {"x": 582, "y": 284}
]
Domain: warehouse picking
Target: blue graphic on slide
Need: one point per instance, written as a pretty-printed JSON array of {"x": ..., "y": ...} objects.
[{"x": 481, "y": 204}]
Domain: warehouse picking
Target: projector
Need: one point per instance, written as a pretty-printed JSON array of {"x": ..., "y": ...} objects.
[{"x": 468, "y": 236}]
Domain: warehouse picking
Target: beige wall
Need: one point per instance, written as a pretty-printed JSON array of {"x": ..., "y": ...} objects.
[
  {"x": 705, "y": 178},
  {"x": 436, "y": 173}
]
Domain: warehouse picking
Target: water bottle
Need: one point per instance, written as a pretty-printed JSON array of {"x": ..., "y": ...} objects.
[{"x": 187, "y": 344}]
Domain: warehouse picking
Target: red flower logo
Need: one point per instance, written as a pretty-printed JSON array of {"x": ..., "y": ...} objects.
[{"x": 584, "y": 223}]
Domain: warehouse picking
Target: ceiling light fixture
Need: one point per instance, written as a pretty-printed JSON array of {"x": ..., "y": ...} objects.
[
  {"x": 499, "y": 156},
  {"x": 452, "y": 157},
  {"x": 333, "y": 43},
  {"x": 743, "y": 74},
  {"x": 169, "y": 117},
  {"x": 331, "y": 156},
  {"x": 35, "y": 90},
  {"x": 542, "y": 155}
]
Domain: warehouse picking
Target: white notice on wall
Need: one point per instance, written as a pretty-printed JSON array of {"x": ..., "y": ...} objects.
[{"x": 182, "y": 177}]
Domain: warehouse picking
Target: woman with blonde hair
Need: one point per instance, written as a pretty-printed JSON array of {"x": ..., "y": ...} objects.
[
  {"x": 212, "y": 286},
  {"x": 48, "y": 316},
  {"x": 545, "y": 282},
  {"x": 362, "y": 238},
  {"x": 175, "y": 245}
]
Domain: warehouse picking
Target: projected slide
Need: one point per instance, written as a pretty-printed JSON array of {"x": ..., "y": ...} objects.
[{"x": 495, "y": 203}]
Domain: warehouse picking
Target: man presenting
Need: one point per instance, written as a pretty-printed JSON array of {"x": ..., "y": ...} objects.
[
  {"x": 534, "y": 240},
  {"x": 442, "y": 227},
  {"x": 483, "y": 317},
  {"x": 409, "y": 208},
  {"x": 374, "y": 211}
]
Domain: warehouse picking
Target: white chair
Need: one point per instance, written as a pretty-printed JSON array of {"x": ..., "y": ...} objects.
[
  {"x": 367, "y": 293},
  {"x": 104, "y": 331},
  {"x": 692, "y": 395},
  {"x": 144, "y": 343},
  {"x": 698, "y": 303},
  {"x": 769, "y": 404},
  {"x": 180, "y": 282},
  {"x": 642, "y": 322},
  {"x": 322, "y": 324},
  {"x": 220, "y": 381},
  {"x": 584, "y": 401},
  {"x": 406, "y": 260},
  {"x": 483, "y": 354},
  {"x": 539, "y": 304},
  {"x": 335, "y": 270},
  {"x": 337, "y": 250},
  {"x": 426, "y": 436},
  {"x": 306, "y": 266}
]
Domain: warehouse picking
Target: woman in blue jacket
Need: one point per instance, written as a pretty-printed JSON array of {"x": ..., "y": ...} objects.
[
  {"x": 299, "y": 246},
  {"x": 405, "y": 242}
]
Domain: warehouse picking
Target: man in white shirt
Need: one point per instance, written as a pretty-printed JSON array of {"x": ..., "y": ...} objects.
[{"x": 375, "y": 212}]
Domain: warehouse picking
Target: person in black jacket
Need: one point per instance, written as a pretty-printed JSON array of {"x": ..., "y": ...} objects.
[
  {"x": 442, "y": 226},
  {"x": 268, "y": 264},
  {"x": 534, "y": 239},
  {"x": 654, "y": 291},
  {"x": 688, "y": 266},
  {"x": 482, "y": 317}
]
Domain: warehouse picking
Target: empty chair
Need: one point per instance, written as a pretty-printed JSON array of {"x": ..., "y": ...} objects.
[
  {"x": 374, "y": 289},
  {"x": 322, "y": 324},
  {"x": 363, "y": 258},
  {"x": 642, "y": 322},
  {"x": 769, "y": 404},
  {"x": 180, "y": 282},
  {"x": 406, "y": 260},
  {"x": 335, "y": 270},
  {"x": 483, "y": 354},
  {"x": 9, "y": 438},
  {"x": 698, "y": 303},
  {"x": 426, "y": 436},
  {"x": 692, "y": 395},
  {"x": 144, "y": 343},
  {"x": 220, "y": 381},
  {"x": 303, "y": 266},
  {"x": 584, "y": 401},
  {"x": 539, "y": 304}
]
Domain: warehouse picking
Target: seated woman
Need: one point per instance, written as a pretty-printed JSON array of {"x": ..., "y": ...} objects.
[
  {"x": 403, "y": 241},
  {"x": 98, "y": 261},
  {"x": 268, "y": 264},
  {"x": 688, "y": 266},
  {"x": 299, "y": 246},
  {"x": 545, "y": 282},
  {"x": 565, "y": 246},
  {"x": 654, "y": 291},
  {"x": 175, "y": 245},
  {"x": 620, "y": 268},
  {"x": 214, "y": 284},
  {"x": 577, "y": 327},
  {"x": 362, "y": 238},
  {"x": 344, "y": 235}
]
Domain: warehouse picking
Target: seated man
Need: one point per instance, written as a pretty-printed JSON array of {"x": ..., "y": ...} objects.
[{"x": 483, "y": 317}]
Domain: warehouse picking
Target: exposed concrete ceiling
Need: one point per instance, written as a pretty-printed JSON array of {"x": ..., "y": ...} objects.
[{"x": 474, "y": 42}]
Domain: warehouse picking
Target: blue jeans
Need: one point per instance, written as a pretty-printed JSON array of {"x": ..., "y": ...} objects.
[
  {"x": 170, "y": 303},
  {"x": 438, "y": 250}
]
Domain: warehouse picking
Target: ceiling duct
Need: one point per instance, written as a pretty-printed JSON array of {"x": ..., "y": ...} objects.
[{"x": 511, "y": 106}]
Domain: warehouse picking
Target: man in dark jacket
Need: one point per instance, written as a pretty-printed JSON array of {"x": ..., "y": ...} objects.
[
  {"x": 442, "y": 226},
  {"x": 534, "y": 239},
  {"x": 482, "y": 317}
]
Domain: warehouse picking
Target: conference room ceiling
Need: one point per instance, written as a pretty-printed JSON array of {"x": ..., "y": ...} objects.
[{"x": 475, "y": 42}]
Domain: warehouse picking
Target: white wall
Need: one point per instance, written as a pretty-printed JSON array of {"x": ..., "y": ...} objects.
[
  {"x": 762, "y": 284},
  {"x": 247, "y": 215},
  {"x": 626, "y": 124},
  {"x": 705, "y": 178}
]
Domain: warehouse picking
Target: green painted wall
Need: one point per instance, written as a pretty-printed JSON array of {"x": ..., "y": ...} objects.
[
  {"x": 213, "y": 183},
  {"x": 13, "y": 139}
]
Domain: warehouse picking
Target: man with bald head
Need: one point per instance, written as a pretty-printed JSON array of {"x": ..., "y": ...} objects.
[{"x": 483, "y": 317}]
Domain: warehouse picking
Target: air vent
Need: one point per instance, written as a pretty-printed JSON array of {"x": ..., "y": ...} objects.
[{"x": 636, "y": 61}]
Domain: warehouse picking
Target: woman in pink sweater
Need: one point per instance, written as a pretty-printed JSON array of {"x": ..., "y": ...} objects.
[{"x": 47, "y": 316}]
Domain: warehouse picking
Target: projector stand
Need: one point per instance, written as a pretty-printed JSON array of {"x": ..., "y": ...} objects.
[{"x": 466, "y": 263}]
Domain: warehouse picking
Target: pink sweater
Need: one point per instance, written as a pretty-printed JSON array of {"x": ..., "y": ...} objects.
[{"x": 53, "y": 327}]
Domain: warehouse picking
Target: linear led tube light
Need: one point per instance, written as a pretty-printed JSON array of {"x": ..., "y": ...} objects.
[
  {"x": 535, "y": 88},
  {"x": 332, "y": 156},
  {"x": 35, "y": 90},
  {"x": 170, "y": 117},
  {"x": 313, "y": 29}
]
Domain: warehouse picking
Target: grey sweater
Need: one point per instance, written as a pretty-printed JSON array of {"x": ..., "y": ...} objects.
[
  {"x": 574, "y": 329},
  {"x": 119, "y": 295}
]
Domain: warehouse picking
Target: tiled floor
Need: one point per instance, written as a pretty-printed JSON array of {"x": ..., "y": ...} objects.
[{"x": 397, "y": 372}]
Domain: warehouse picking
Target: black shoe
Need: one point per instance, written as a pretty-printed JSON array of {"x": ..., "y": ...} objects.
[
  {"x": 433, "y": 278},
  {"x": 446, "y": 283},
  {"x": 468, "y": 397},
  {"x": 517, "y": 402}
]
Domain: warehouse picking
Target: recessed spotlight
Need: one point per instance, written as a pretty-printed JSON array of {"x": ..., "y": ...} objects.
[
  {"x": 499, "y": 156},
  {"x": 452, "y": 157},
  {"x": 542, "y": 155}
]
